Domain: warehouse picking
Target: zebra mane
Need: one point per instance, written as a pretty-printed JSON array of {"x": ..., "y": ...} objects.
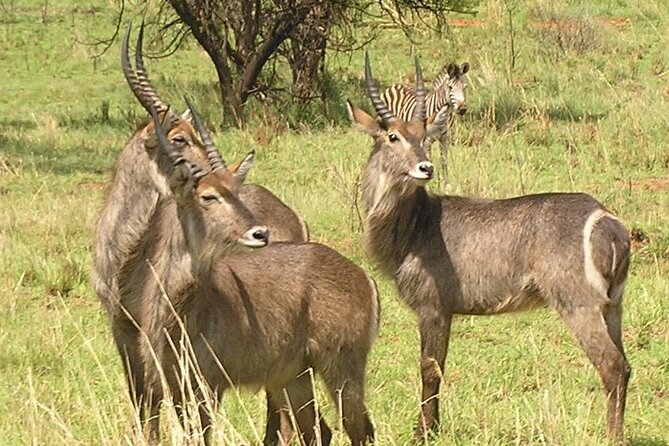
[
  {"x": 406, "y": 87},
  {"x": 442, "y": 78}
]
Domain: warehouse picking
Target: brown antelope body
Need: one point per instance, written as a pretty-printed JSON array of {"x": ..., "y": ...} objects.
[
  {"x": 139, "y": 186},
  {"x": 458, "y": 255},
  {"x": 259, "y": 319}
]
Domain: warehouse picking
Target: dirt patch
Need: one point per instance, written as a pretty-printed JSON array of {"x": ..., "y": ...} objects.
[
  {"x": 562, "y": 23},
  {"x": 575, "y": 23},
  {"x": 614, "y": 21},
  {"x": 655, "y": 184},
  {"x": 95, "y": 185},
  {"x": 466, "y": 23},
  {"x": 638, "y": 239}
]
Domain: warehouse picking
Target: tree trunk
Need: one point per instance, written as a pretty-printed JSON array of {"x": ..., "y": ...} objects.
[
  {"x": 308, "y": 44},
  {"x": 283, "y": 26},
  {"x": 200, "y": 19}
]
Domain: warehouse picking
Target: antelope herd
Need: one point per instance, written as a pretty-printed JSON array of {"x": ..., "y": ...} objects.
[{"x": 195, "y": 311}]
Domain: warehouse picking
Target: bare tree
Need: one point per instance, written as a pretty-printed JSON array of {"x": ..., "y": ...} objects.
[
  {"x": 242, "y": 36},
  {"x": 248, "y": 40},
  {"x": 307, "y": 50}
]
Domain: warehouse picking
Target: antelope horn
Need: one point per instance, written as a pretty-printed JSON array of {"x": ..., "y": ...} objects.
[
  {"x": 381, "y": 107},
  {"x": 215, "y": 159},
  {"x": 144, "y": 81},
  {"x": 128, "y": 71},
  {"x": 138, "y": 80},
  {"x": 419, "y": 111},
  {"x": 173, "y": 155}
]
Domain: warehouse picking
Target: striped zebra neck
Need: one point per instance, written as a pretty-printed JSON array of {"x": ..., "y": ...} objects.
[
  {"x": 401, "y": 99},
  {"x": 441, "y": 80}
]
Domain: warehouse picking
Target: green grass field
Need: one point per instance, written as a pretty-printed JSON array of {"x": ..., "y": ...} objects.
[{"x": 583, "y": 108}]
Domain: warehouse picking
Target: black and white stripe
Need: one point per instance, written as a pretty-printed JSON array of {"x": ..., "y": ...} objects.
[{"x": 448, "y": 91}]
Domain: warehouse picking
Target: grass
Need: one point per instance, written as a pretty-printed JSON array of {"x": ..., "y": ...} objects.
[{"x": 569, "y": 116}]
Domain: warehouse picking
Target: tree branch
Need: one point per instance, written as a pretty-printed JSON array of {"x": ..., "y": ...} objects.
[{"x": 281, "y": 29}]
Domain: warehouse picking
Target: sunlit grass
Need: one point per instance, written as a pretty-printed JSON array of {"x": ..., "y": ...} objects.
[{"x": 594, "y": 121}]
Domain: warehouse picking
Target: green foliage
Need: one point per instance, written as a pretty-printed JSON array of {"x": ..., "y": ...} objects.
[{"x": 592, "y": 120}]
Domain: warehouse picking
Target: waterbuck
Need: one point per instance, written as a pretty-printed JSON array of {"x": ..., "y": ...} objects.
[
  {"x": 448, "y": 90},
  {"x": 139, "y": 185},
  {"x": 458, "y": 255},
  {"x": 253, "y": 319}
]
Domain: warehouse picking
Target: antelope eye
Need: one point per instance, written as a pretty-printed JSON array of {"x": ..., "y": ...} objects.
[
  {"x": 208, "y": 200},
  {"x": 179, "y": 139},
  {"x": 393, "y": 137}
]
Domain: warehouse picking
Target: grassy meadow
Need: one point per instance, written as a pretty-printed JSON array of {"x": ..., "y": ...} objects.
[{"x": 581, "y": 104}]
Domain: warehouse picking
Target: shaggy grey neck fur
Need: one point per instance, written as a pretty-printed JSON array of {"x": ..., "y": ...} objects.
[{"x": 130, "y": 203}]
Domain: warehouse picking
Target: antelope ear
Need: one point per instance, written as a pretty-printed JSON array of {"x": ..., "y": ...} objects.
[
  {"x": 437, "y": 122},
  {"x": 187, "y": 116},
  {"x": 241, "y": 168},
  {"x": 362, "y": 121}
]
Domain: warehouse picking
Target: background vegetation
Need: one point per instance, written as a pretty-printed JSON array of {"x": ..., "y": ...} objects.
[
  {"x": 253, "y": 45},
  {"x": 580, "y": 104}
]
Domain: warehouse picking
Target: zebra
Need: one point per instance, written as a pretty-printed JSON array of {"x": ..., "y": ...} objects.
[{"x": 448, "y": 91}]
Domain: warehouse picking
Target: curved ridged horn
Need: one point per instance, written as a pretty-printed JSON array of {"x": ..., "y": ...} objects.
[
  {"x": 381, "y": 107},
  {"x": 138, "y": 80},
  {"x": 128, "y": 71},
  {"x": 143, "y": 76},
  {"x": 215, "y": 159},
  {"x": 173, "y": 154},
  {"x": 419, "y": 111}
]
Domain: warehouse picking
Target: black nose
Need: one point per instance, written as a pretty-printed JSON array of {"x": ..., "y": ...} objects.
[
  {"x": 427, "y": 169},
  {"x": 261, "y": 235},
  {"x": 462, "y": 110}
]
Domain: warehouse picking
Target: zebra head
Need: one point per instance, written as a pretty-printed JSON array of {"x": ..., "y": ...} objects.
[{"x": 456, "y": 86}]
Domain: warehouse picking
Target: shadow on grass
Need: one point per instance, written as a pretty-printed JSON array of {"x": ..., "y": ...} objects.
[
  {"x": 18, "y": 124},
  {"x": 327, "y": 107},
  {"x": 509, "y": 110},
  {"x": 113, "y": 123},
  {"x": 44, "y": 158},
  {"x": 570, "y": 112},
  {"x": 85, "y": 123},
  {"x": 650, "y": 441}
]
